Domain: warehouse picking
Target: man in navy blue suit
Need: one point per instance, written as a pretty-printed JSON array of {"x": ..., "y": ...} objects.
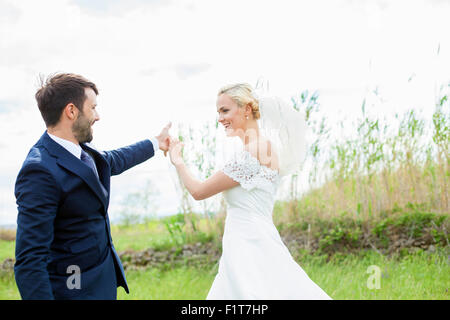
[{"x": 64, "y": 248}]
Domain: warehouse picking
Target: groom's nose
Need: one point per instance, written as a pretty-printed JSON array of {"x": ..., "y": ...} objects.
[{"x": 96, "y": 116}]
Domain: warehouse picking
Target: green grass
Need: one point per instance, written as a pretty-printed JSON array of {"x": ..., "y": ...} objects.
[
  {"x": 141, "y": 236},
  {"x": 419, "y": 275},
  {"x": 184, "y": 283},
  {"x": 6, "y": 249},
  {"x": 8, "y": 288},
  {"x": 154, "y": 234}
]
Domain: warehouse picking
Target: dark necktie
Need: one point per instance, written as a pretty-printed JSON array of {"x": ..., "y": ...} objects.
[{"x": 87, "y": 159}]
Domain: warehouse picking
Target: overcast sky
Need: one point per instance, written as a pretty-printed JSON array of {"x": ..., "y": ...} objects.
[{"x": 157, "y": 61}]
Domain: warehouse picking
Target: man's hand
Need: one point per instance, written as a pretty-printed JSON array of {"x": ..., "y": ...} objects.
[{"x": 164, "y": 138}]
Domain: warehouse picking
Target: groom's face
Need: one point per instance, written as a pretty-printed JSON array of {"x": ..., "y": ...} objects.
[{"x": 82, "y": 127}]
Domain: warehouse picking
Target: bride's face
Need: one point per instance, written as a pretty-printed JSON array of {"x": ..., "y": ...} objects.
[{"x": 230, "y": 115}]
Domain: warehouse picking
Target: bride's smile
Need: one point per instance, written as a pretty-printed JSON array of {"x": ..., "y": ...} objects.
[
  {"x": 229, "y": 114},
  {"x": 234, "y": 118}
]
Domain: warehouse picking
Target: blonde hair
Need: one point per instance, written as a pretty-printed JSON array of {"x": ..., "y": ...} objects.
[{"x": 242, "y": 94}]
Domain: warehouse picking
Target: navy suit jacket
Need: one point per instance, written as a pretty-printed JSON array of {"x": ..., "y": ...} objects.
[{"x": 63, "y": 221}]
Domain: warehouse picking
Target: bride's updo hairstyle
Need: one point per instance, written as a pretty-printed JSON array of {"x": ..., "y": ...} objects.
[{"x": 242, "y": 94}]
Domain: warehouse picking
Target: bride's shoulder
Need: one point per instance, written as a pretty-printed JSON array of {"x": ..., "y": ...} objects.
[{"x": 264, "y": 152}]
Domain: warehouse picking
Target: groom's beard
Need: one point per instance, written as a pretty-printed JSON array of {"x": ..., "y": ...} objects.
[{"x": 82, "y": 129}]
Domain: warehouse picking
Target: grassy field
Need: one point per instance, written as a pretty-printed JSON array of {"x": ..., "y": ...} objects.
[
  {"x": 6, "y": 249},
  {"x": 154, "y": 234},
  {"x": 416, "y": 276},
  {"x": 419, "y": 275}
]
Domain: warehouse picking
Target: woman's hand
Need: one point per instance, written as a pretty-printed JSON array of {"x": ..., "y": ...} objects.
[{"x": 175, "y": 148}]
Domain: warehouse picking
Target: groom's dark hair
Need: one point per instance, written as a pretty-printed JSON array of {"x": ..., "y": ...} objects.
[{"x": 58, "y": 91}]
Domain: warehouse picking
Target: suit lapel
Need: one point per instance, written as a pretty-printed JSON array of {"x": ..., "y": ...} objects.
[
  {"x": 101, "y": 164},
  {"x": 74, "y": 165},
  {"x": 104, "y": 172}
]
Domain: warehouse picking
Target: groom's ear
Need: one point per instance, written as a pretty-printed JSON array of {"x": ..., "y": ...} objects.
[{"x": 71, "y": 111}]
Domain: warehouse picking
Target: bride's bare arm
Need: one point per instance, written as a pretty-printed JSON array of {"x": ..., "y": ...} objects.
[{"x": 201, "y": 190}]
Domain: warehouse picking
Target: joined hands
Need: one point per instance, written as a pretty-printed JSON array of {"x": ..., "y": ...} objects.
[{"x": 167, "y": 143}]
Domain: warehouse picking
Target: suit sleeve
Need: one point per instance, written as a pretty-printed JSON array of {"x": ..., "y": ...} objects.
[
  {"x": 127, "y": 157},
  {"x": 37, "y": 200}
]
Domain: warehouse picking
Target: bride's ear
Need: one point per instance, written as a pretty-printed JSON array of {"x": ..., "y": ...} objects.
[{"x": 248, "y": 109}]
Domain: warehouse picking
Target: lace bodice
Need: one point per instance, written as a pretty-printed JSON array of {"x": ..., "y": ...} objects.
[{"x": 250, "y": 173}]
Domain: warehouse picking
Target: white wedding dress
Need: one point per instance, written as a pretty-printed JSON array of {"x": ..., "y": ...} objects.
[{"x": 255, "y": 263}]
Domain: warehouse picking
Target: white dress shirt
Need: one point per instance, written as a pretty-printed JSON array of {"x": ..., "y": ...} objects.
[{"x": 75, "y": 149}]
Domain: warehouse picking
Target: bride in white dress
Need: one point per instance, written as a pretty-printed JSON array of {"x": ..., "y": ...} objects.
[{"x": 255, "y": 263}]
